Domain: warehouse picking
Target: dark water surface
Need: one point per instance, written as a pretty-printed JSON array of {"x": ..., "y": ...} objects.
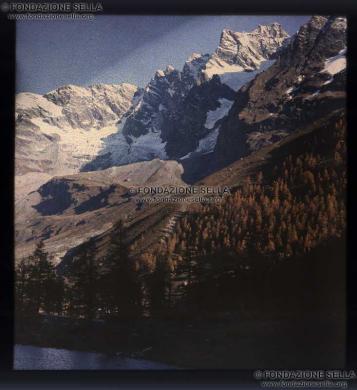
[{"x": 28, "y": 357}]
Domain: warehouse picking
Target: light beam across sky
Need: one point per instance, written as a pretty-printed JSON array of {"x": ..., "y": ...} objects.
[{"x": 115, "y": 49}]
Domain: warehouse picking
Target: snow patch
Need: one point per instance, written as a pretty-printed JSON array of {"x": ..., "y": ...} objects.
[
  {"x": 329, "y": 81},
  {"x": 300, "y": 78},
  {"x": 237, "y": 79},
  {"x": 335, "y": 64},
  {"x": 214, "y": 116},
  {"x": 125, "y": 151},
  {"x": 33, "y": 101},
  {"x": 208, "y": 143},
  {"x": 216, "y": 66}
]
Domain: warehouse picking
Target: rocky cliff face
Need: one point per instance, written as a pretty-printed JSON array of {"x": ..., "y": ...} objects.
[
  {"x": 307, "y": 81},
  {"x": 179, "y": 112},
  {"x": 176, "y": 116},
  {"x": 266, "y": 82},
  {"x": 245, "y": 51}
]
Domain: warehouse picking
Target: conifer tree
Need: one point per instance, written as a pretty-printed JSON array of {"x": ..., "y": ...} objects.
[
  {"x": 42, "y": 276},
  {"x": 159, "y": 284},
  {"x": 121, "y": 286},
  {"x": 83, "y": 290},
  {"x": 22, "y": 280}
]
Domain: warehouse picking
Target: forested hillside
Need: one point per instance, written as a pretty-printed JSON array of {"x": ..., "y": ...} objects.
[
  {"x": 276, "y": 224},
  {"x": 282, "y": 217}
]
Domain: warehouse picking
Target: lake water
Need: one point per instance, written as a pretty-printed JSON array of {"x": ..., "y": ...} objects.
[{"x": 36, "y": 358}]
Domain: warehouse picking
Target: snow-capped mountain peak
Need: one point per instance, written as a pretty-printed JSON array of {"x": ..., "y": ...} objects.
[
  {"x": 167, "y": 119},
  {"x": 169, "y": 69},
  {"x": 245, "y": 51},
  {"x": 306, "y": 82},
  {"x": 170, "y": 117},
  {"x": 159, "y": 73},
  {"x": 192, "y": 69},
  {"x": 194, "y": 56},
  {"x": 58, "y": 132},
  {"x": 162, "y": 73},
  {"x": 93, "y": 106}
]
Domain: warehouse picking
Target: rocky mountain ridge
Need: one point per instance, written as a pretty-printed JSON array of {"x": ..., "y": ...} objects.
[
  {"x": 75, "y": 128},
  {"x": 306, "y": 82},
  {"x": 169, "y": 119},
  {"x": 204, "y": 123},
  {"x": 58, "y": 132},
  {"x": 242, "y": 51}
]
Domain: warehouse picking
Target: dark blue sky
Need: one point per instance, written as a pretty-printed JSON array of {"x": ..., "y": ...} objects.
[{"x": 114, "y": 49}]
